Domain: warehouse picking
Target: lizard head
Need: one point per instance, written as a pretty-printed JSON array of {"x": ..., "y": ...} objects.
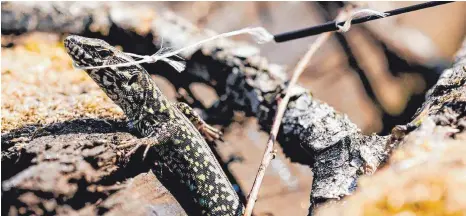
[
  {"x": 124, "y": 85},
  {"x": 88, "y": 51}
]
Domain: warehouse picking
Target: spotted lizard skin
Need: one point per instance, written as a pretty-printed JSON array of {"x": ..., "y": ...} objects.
[{"x": 166, "y": 129}]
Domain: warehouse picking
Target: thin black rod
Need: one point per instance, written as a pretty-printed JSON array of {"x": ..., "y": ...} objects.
[{"x": 331, "y": 26}]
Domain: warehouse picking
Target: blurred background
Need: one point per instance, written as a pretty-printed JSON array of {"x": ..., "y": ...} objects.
[
  {"x": 377, "y": 74},
  {"x": 390, "y": 57}
]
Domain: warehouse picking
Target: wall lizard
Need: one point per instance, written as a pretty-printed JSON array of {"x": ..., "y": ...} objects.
[{"x": 172, "y": 130}]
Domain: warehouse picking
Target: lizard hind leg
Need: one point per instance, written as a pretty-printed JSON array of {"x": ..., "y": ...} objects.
[{"x": 208, "y": 132}]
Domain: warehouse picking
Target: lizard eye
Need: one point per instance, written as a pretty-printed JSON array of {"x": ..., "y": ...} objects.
[
  {"x": 104, "y": 53},
  {"x": 110, "y": 79},
  {"x": 133, "y": 79}
]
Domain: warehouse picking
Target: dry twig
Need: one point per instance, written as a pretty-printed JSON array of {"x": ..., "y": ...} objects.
[{"x": 269, "y": 153}]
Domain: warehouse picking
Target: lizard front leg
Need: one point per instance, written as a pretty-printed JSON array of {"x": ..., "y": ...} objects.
[
  {"x": 208, "y": 132},
  {"x": 155, "y": 138}
]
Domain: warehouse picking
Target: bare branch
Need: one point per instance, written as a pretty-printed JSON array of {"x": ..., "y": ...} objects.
[{"x": 269, "y": 152}]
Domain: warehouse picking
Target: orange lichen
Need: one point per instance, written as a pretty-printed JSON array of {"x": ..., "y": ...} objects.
[{"x": 40, "y": 86}]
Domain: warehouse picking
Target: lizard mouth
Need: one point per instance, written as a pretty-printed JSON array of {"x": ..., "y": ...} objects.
[{"x": 79, "y": 55}]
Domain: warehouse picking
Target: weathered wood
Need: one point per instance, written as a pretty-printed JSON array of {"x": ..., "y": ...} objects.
[
  {"x": 74, "y": 168},
  {"x": 431, "y": 156}
]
